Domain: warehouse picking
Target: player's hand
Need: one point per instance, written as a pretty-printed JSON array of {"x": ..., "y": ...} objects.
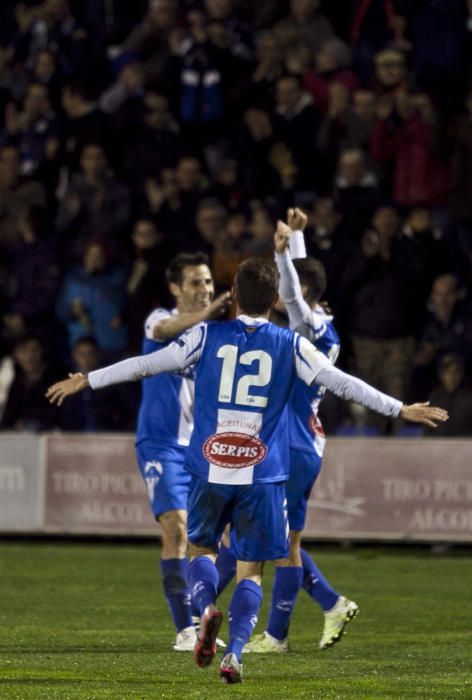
[
  {"x": 424, "y": 413},
  {"x": 59, "y": 391},
  {"x": 282, "y": 237},
  {"x": 218, "y": 306},
  {"x": 297, "y": 219}
]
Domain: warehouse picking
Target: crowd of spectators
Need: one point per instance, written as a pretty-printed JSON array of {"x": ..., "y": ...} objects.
[{"x": 130, "y": 131}]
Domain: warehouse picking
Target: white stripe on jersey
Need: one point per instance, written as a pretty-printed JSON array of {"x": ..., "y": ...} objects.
[{"x": 234, "y": 421}]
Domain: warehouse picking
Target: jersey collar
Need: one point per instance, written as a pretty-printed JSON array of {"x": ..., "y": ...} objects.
[{"x": 250, "y": 320}]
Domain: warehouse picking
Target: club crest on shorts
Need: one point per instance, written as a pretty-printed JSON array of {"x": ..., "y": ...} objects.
[{"x": 234, "y": 450}]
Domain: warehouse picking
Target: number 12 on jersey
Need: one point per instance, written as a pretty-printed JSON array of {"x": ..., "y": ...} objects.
[{"x": 229, "y": 355}]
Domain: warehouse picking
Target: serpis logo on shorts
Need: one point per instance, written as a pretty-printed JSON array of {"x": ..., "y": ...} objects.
[{"x": 234, "y": 450}]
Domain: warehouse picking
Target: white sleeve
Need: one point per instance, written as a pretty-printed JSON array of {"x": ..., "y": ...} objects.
[
  {"x": 184, "y": 351},
  {"x": 353, "y": 389},
  {"x": 154, "y": 319},
  {"x": 312, "y": 365},
  {"x": 296, "y": 245},
  {"x": 291, "y": 292}
]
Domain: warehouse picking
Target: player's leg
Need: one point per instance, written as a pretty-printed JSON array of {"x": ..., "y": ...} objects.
[
  {"x": 167, "y": 483},
  {"x": 287, "y": 584},
  {"x": 243, "y": 611},
  {"x": 174, "y": 571},
  {"x": 288, "y": 578},
  {"x": 225, "y": 563},
  {"x": 252, "y": 545},
  {"x": 208, "y": 515}
]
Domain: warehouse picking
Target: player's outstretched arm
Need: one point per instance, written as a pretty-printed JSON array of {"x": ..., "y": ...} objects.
[
  {"x": 312, "y": 366},
  {"x": 185, "y": 351},
  {"x": 424, "y": 413},
  {"x": 61, "y": 390}
]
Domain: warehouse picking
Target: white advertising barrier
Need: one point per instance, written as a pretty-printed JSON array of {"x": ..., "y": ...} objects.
[
  {"x": 93, "y": 485},
  {"x": 394, "y": 489},
  {"x": 377, "y": 489},
  {"x": 21, "y": 483}
]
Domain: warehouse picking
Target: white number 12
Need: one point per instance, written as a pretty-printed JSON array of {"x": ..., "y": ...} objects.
[{"x": 229, "y": 355}]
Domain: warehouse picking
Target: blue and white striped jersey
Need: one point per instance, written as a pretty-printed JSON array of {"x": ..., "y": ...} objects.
[
  {"x": 166, "y": 411},
  {"x": 245, "y": 371},
  {"x": 305, "y": 429}
]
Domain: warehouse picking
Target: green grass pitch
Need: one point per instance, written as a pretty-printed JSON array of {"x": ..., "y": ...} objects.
[{"x": 89, "y": 622}]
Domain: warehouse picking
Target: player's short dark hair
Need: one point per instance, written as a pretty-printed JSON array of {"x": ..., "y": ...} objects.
[
  {"x": 256, "y": 284},
  {"x": 176, "y": 267},
  {"x": 312, "y": 275}
]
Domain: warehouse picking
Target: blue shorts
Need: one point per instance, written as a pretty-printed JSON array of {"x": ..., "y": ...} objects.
[
  {"x": 304, "y": 469},
  {"x": 167, "y": 481},
  {"x": 257, "y": 514}
]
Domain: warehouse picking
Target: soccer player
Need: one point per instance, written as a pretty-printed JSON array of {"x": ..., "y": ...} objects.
[
  {"x": 165, "y": 424},
  {"x": 302, "y": 284},
  {"x": 238, "y": 452}
]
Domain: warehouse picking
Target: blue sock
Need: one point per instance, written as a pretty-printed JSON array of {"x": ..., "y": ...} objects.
[
  {"x": 176, "y": 590},
  {"x": 316, "y": 585},
  {"x": 242, "y": 616},
  {"x": 226, "y": 565},
  {"x": 203, "y": 581},
  {"x": 288, "y": 581}
]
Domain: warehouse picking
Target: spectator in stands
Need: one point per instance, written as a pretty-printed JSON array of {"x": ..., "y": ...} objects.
[
  {"x": 227, "y": 187},
  {"x": 259, "y": 177},
  {"x": 146, "y": 287},
  {"x": 17, "y": 195},
  {"x": 95, "y": 205},
  {"x": 92, "y": 301},
  {"x": 34, "y": 260},
  {"x": 447, "y": 329},
  {"x": 46, "y": 72},
  {"x": 347, "y": 124},
  {"x": 210, "y": 222},
  {"x": 84, "y": 123},
  {"x": 455, "y": 396},
  {"x": 52, "y": 26},
  {"x": 90, "y": 412},
  {"x": 371, "y": 25},
  {"x": 296, "y": 126},
  {"x": 404, "y": 136},
  {"x": 391, "y": 74},
  {"x": 332, "y": 65},
  {"x": 33, "y": 129},
  {"x": 260, "y": 242},
  {"x": 25, "y": 407},
  {"x": 230, "y": 249},
  {"x": 356, "y": 191},
  {"x": 382, "y": 287},
  {"x": 305, "y": 25},
  {"x": 149, "y": 39},
  {"x": 166, "y": 204},
  {"x": 155, "y": 144},
  {"x": 328, "y": 241},
  {"x": 269, "y": 67},
  {"x": 191, "y": 182},
  {"x": 127, "y": 90}
]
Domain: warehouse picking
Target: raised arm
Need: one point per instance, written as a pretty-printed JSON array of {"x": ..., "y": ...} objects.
[
  {"x": 183, "y": 352},
  {"x": 289, "y": 287}
]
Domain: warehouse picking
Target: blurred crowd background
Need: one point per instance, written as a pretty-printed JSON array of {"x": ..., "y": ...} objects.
[{"x": 130, "y": 131}]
